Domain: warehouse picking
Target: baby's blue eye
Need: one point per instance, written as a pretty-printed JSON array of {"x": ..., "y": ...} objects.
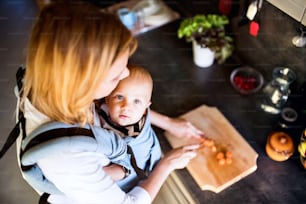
[
  {"x": 119, "y": 97},
  {"x": 137, "y": 101}
]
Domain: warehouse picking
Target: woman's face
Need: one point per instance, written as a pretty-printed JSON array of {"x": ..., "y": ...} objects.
[{"x": 117, "y": 72}]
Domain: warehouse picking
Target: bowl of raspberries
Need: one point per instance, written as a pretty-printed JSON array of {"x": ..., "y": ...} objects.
[{"x": 246, "y": 80}]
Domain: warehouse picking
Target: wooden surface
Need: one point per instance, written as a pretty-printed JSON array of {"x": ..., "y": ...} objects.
[
  {"x": 173, "y": 191},
  {"x": 205, "y": 169}
]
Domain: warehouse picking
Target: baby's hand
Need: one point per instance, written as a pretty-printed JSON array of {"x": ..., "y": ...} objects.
[{"x": 115, "y": 171}]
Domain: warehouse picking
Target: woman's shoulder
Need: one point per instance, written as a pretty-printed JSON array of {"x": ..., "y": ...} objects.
[{"x": 34, "y": 118}]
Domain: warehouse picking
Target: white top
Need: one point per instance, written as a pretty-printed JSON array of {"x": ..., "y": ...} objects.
[{"x": 79, "y": 175}]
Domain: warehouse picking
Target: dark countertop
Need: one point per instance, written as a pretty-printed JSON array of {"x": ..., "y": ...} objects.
[{"x": 180, "y": 86}]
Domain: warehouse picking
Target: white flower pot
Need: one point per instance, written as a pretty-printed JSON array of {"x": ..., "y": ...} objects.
[{"x": 202, "y": 56}]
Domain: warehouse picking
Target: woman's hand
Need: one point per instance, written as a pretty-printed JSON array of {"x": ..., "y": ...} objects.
[
  {"x": 178, "y": 127},
  {"x": 178, "y": 158}
]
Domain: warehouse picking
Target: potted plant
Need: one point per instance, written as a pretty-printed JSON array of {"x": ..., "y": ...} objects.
[{"x": 207, "y": 31}]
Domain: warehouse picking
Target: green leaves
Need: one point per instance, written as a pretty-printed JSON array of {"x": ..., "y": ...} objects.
[
  {"x": 217, "y": 20},
  {"x": 208, "y": 31},
  {"x": 201, "y": 23}
]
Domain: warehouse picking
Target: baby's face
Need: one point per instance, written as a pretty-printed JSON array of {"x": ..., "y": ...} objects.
[{"x": 129, "y": 101}]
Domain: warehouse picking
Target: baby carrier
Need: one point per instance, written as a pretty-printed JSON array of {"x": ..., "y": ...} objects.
[{"x": 53, "y": 136}]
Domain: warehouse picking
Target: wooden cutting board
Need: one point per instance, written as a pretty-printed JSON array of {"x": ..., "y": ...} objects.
[{"x": 204, "y": 168}]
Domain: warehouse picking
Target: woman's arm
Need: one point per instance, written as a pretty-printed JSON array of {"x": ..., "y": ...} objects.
[
  {"x": 79, "y": 177},
  {"x": 178, "y": 127},
  {"x": 175, "y": 159}
]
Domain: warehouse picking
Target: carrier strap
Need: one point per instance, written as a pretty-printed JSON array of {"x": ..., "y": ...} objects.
[
  {"x": 21, "y": 120},
  {"x": 141, "y": 173},
  {"x": 54, "y": 134},
  {"x": 11, "y": 138},
  {"x": 57, "y": 133},
  {"x": 44, "y": 198}
]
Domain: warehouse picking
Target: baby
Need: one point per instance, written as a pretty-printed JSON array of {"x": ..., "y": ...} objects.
[
  {"x": 127, "y": 106},
  {"x": 126, "y": 112}
]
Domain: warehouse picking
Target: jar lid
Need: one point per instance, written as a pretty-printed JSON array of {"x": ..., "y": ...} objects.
[{"x": 281, "y": 142}]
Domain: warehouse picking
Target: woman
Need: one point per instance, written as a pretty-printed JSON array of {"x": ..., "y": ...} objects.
[{"x": 77, "y": 54}]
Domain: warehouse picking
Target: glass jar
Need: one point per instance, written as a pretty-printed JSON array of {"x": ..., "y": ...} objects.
[{"x": 276, "y": 92}]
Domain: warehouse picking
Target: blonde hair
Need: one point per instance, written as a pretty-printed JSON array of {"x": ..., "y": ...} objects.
[
  {"x": 71, "y": 49},
  {"x": 140, "y": 73}
]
